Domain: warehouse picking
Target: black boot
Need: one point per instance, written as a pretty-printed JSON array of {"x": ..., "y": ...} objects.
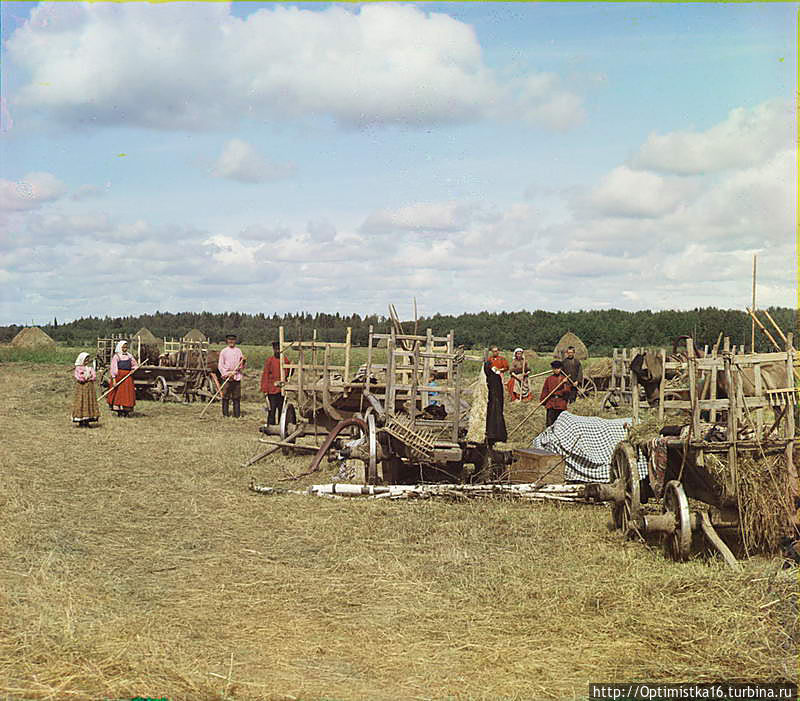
[
  {"x": 236, "y": 412},
  {"x": 225, "y": 407}
]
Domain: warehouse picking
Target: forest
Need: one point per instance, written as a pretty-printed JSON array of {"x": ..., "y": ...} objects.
[{"x": 600, "y": 330}]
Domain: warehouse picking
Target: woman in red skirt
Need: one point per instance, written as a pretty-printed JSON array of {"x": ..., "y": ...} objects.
[{"x": 123, "y": 397}]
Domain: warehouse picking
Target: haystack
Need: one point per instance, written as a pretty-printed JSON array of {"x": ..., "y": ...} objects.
[
  {"x": 570, "y": 339},
  {"x": 195, "y": 335},
  {"x": 32, "y": 337},
  {"x": 146, "y": 336}
]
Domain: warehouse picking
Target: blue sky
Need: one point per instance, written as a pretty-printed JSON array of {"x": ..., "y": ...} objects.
[{"x": 338, "y": 157}]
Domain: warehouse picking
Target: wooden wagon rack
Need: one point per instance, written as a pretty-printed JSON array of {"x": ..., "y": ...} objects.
[
  {"x": 725, "y": 430},
  {"x": 405, "y": 403}
]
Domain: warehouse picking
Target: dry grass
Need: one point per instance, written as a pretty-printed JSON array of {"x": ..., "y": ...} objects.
[{"x": 133, "y": 561}]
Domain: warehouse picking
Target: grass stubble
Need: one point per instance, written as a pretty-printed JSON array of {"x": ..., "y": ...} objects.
[{"x": 134, "y": 562}]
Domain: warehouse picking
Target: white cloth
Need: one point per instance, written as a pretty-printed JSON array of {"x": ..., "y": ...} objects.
[
  {"x": 81, "y": 359},
  {"x": 118, "y": 349}
]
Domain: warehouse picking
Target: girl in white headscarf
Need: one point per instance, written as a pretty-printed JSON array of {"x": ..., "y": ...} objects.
[
  {"x": 518, "y": 386},
  {"x": 122, "y": 398},
  {"x": 84, "y": 402}
]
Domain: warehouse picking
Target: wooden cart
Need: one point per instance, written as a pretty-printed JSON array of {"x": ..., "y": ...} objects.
[
  {"x": 401, "y": 413},
  {"x": 703, "y": 461},
  {"x": 183, "y": 371}
]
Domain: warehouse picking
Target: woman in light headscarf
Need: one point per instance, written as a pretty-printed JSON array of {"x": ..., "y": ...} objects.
[
  {"x": 518, "y": 386},
  {"x": 122, "y": 398},
  {"x": 84, "y": 402}
]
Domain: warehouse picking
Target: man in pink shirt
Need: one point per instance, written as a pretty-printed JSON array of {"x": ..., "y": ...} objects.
[{"x": 231, "y": 362}]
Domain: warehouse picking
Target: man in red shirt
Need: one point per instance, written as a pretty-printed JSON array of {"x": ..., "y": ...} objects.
[
  {"x": 558, "y": 387},
  {"x": 270, "y": 378}
]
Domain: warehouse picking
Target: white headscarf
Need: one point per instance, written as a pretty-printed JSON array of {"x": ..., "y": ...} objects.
[
  {"x": 81, "y": 359},
  {"x": 118, "y": 349},
  {"x": 518, "y": 350}
]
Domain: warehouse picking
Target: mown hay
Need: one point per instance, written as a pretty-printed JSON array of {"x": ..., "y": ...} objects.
[
  {"x": 127, "y": 576},
  {"x": 764, "y": 504},
  {"x": 477, "y": 412},
  {"x": 765, "y": 508},
  {"x": 647, "y": 429},
  {"x": 567, "y": 340},
  {"x": 32, "y": 337},
  {"x": 601, "y": 367}
]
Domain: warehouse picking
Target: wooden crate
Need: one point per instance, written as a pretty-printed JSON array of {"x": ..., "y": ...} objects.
[{"x": 535, "y": 465}]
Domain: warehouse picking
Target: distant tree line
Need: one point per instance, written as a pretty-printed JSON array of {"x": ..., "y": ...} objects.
[{"x": 600, "y": 330}]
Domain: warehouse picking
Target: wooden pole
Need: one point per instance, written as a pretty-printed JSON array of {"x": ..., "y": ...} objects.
[
  {"x": 540, "y": 404},
  {"x": 753, "y": 323},
  {"x": 761, "y": 326},
  {"x": 113, "y": 387},
  {"x": 219, "y": 391}
]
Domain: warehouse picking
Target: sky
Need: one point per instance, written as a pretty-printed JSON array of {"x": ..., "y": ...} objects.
[{"x": 340, "y": 157}]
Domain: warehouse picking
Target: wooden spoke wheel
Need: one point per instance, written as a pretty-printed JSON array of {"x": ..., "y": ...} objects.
[
  {"x": 677, "y": 544},
  {"x": 587, "y": 386},
  {"x": 624, "y": 473},
  {"x": 612, "y": 400},
  {"x": 372, "y": 438},
  {"x": 287, "y": 425},
  {"x": 161, "y": 388}
]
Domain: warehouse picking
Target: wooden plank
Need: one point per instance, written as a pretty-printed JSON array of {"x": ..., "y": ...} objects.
[
  {"x": 457, "y": 411},
  {"x": 692, "y": 366},
  {"x": 614, "y": 369},
  {"x": 714, "y": 372},
  {"x": 390, "y": 377},
  {"x": 732, "y": 426},
  {"x": 634, "y": 391},
  {"x": 347, "y": 346},
  {"x": 789, "y": 431},
  {"x": 759, "y": 391},
  {"x": 282, "y": 347},
  {"x": 661, "y": 385}
]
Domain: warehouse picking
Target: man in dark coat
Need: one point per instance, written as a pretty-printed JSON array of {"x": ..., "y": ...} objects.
[
  {"x": 495, "y": 421},
  {"x": 571, "y": 367}
]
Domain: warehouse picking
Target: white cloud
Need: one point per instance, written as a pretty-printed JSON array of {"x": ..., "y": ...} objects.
[
  {"x": 634, "y": 193},
  {"x": 33, "y": 190},
  {"x": 240, "y": 161},
  {"x": 747, "y": 137},
  {"x": 420, "y": 217},
  {"x": 163, "y": 67}
]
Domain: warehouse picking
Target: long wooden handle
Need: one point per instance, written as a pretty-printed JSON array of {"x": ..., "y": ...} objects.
[
  {"x": 211, "y": 401},
  {"x": 540, "y": 404},
  {"x": 113, "y": 387}
]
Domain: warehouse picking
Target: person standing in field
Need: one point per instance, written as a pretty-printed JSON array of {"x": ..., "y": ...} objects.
[
  {"x": 84, "y": 402},
  {"x": 495, "y": 420},
  {"x": 572, "y": 368},
  {"x": 230, "y": 365},
  {"x": 271, "y": 383},
  {"x": 498, "y": 361},
  {"x": 122, "y": 398},
  {"x": 518, "y": 385},
  {"x": 555, "y": 391}
]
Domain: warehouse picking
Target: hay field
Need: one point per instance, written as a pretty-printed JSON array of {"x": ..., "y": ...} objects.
[{"x": 134, "y": 562}]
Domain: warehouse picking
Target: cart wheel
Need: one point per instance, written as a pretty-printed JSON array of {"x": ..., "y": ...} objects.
[
  {"x": 161, "y": 390},
  {"x": 288, "y": 423},
  {"x": 588, "y": 386},
  {"x": 372, "y": 466},
  {"x": 612, "y": 400},
  {"x": 625, "y": 472},
  {"x": 678, "y": 544}
]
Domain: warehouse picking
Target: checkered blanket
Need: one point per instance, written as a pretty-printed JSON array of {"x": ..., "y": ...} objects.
[{"x": 587, "y": 443}]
